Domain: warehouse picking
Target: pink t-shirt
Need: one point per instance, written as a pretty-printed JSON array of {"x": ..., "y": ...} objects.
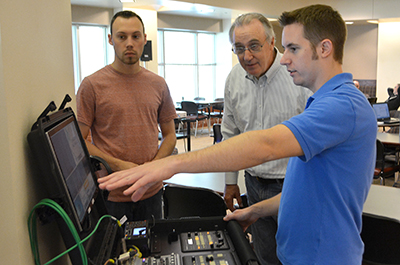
[{"x": 123, "y": 112}]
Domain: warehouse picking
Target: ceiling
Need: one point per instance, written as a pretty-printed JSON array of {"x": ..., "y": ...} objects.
[
  {"x": 354, "y": 10},
  {"x": 164, "y": 7}
]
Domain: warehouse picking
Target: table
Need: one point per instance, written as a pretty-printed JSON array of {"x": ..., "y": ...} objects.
[
  {"x": 188, "y": 121},
  {"x": 208, "y": 102},
  {"x": 178, "y": 105},
  {"x": 392, "y": 139},
  {"x": 384, "y": 125},
  {"x": 383, "y": 201},
  {"x": 381, "y": 217},
  {"x": 213, "y": 180}
]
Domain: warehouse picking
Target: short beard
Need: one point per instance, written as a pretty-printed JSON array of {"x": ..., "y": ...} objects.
[
  {"x": 131, "y": 60},
  {"x": 128, "y": 61}
]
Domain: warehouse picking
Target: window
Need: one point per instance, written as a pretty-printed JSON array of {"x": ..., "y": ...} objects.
[
  {"x": 90, "y": 49},
  {"x": 187, "y": 62}
]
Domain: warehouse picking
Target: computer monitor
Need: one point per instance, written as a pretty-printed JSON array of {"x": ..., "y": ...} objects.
[
  {"x": 381, "y": 111},
  {"x": 65, "y": 164},
  {"x": 73, "y": 165}
]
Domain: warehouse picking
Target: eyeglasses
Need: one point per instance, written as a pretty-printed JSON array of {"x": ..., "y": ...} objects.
[{"x": 253, "y": 48}]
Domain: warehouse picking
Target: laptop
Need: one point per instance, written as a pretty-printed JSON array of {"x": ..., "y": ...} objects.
[{"x": 382, "y": 113}]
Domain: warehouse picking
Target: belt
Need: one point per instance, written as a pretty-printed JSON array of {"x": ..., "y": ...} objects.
[{"x": 266, "y": 181}]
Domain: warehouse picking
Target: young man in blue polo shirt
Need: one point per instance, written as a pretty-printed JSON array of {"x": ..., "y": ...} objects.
[{"x": 331, "y": 145}]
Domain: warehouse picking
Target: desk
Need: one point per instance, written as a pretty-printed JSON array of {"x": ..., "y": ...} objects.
[
  {"x": 208, "y": 102},
  {"x": 380, "y": 227},
  {"x": 213, "y": 107},
  {"x": 383, "y": 201},
  {"x": 382, "y": 124},
  {"x": 178, "y": 104},
  {"x": 392, "y": 142},
  {"x": 392, "y": 139},
  {"x": 213, "y": 180}
]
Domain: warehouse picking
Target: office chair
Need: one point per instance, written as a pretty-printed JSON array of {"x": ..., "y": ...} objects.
[
  {"x": 216, "y": 110},
  {"x": 192, "y": 113},
  {"x": 372, "y": 100},
  {"x": 217, "y": 133},
  {"x": 181, "y": 202},
  {"x": 201, "y": 107},
  {"x": 384, "y": 168},
  {"x": 381, "y": 237}
]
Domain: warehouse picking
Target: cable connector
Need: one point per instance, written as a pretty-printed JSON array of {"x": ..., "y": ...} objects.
[{"x": 127, "y": 255}]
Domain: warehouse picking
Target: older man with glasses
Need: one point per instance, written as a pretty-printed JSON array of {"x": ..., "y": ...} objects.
[{"x": 259, "y": 94}]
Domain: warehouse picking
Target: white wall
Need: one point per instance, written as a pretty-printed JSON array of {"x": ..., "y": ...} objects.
[
  {"x": 91, "y": 15},
  {"x": 388, "y": 73},
  {"x": 35, "y": 68},
  {"x": 189, "y": 23},
  {"x": 360, "y": 51}
]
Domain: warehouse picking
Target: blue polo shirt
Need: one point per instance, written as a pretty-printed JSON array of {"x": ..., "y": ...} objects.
[{"x": 325, "y": 190}]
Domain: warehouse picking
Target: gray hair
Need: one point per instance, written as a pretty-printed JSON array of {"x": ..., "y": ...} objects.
[{"x": 246, "y": 19}]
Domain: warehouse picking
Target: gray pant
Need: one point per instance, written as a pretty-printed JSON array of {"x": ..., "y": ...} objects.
[{"x": 264, "y": 230}]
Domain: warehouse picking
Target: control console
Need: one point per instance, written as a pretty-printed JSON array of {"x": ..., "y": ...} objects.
[
  {"x": 208, "y": 240},
  {"x": 201, "y": 241}
]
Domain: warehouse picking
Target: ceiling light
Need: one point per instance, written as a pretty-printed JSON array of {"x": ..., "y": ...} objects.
[
  {"x": 207, "y": 10},
  {"x": 373, "y": 21},
  {"x": 204, "y": 8},
  {"x": 349, "y": 22}
]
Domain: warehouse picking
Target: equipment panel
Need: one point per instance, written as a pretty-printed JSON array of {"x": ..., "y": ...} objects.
[
  {"x": 201, "y": 241},
  {"x": 193, "y": 241}
]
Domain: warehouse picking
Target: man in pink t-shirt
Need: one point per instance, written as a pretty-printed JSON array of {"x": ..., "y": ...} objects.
[{"x": 121, "y": 107}]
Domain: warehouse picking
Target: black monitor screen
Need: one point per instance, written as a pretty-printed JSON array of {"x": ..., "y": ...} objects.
[{"x": 74, "y": 165}]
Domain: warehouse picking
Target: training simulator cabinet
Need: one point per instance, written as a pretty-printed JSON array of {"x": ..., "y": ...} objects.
[
  {"x": 207, "y": 240},
  {"x": 69, "y": 178}
]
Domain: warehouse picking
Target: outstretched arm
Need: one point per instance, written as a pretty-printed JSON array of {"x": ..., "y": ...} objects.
[{"x": 243, "y": 151}]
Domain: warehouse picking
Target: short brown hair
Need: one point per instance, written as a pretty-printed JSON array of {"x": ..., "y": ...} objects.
[
  {"x": 125, "y": 14},
  {"x": 319, "y": 22}
]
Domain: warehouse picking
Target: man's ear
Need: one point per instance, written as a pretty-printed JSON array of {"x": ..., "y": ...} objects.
[
  {"x": 110, "y": 39},
  {"x": 326, "y": 48},
  {"x": 272, "y": 42}
]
